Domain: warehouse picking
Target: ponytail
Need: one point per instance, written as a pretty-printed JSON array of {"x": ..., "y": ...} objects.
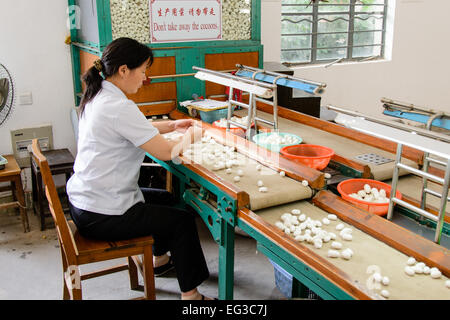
[
  {"x": 122, "y": 51},
  {"x": 93, "y": 81}
]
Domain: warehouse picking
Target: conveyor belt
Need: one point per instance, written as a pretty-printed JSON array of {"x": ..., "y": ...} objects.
[
  {"x": 346, "y": 148},
  {"x": 378, "y": 242},
  {"x": 368, "y": 253},
  {"x": 408, "y": 184},
  {"x": 280, "y": 189}
]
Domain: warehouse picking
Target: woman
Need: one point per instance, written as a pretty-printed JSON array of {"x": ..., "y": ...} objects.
[{"x": 105, "y": 200}]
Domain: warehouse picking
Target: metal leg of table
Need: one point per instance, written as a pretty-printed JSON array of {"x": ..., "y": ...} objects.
[{"x": 226, "y": 262}]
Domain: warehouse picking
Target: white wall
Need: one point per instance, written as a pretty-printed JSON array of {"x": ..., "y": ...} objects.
[
  {"x": 418, "y": 72},
  {"x": 32, "y": 48},
  {"x": 271, "y": 29}
]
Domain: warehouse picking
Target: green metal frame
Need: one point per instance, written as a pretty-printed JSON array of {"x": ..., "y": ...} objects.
[
  {"x": 187, "y": 54},
  {"x": 223, "y": 233},
  {"x": 105, "y": 30},
  {"x": 76, "y": 70},
  {"x": 185, "y": 59},
  {"x": 104, "y": 23},
  {"x": 220, "y": 219}
]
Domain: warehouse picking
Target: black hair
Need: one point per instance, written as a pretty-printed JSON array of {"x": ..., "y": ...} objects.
[{"x": 122, "y": 51}]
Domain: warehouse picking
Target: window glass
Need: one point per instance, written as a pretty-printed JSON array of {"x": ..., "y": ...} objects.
[{"x": 317, "y": 32}]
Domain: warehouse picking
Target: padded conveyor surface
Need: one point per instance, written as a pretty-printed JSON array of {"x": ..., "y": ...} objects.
[
  {"x": 346, "y": 148},
  {"x": 368, "y": 253},
  {"x": 280, "y": 189}
]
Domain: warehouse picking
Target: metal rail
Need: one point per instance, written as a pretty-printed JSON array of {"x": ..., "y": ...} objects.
[
  {"x": 281, "y": 79},
  {"x": 236, "y": 83},
  {"x": 429, "y": 117},
  {"x": 276, "y": 79},
  {"x": 396, "y": 125},
  {"x": 410, "y": 107},
  {"x": 402, "y": 135}
]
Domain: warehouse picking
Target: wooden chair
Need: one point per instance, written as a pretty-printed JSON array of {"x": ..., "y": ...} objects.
[{"x": 77, "y": 250}]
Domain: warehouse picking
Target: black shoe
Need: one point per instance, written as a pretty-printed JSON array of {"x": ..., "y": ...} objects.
[{"x": 161, "y": 270}]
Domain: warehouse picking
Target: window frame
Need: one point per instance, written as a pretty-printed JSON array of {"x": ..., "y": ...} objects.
[{"x": 314, "y": 18}]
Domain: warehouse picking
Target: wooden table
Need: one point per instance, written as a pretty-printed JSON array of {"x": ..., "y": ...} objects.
[{"x": 11, "y": 173}]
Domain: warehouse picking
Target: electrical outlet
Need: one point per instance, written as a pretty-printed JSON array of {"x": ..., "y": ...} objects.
[{"x": 26, "y": 98}]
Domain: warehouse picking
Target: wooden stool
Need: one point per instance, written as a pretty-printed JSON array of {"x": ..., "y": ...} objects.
[
  {"x": 11, "y": 173},
  {"x": 61, "y": 162}
]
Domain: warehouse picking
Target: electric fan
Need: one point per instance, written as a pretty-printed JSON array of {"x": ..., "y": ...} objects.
[{"x": 7, "y": 94}]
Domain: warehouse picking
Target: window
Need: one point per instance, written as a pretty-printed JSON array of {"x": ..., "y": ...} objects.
[{"x": 318, "y": 32}]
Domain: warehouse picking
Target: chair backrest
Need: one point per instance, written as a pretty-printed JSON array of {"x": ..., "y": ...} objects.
[{"x": 65, "y": 234}]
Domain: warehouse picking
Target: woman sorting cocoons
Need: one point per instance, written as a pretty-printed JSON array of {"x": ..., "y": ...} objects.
[{"x": 106, "y": 202}]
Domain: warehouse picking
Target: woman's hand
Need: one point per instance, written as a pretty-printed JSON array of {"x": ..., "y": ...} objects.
[
  {"x": 165, "y": 150},
  {"x": 183, "y": 125}
]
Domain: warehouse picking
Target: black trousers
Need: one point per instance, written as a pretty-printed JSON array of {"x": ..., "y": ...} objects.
[{"x": 173, "y": 230}]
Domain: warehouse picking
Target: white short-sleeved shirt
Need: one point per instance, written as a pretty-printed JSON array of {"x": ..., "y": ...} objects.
[{"x": 108, "y": 161}]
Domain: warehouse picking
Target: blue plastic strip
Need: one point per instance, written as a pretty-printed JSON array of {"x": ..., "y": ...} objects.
[
  {"x": 282, "y": 82},
  {"x": 439, "y": 122}
]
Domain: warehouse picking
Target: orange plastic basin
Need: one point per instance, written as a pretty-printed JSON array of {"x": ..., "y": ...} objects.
[
  {"x": 350, "y": 186},
  {"x": 314, "y": 156}
]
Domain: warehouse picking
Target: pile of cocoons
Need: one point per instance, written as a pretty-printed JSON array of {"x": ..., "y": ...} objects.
[
  {"x": 130, "y": 19},
  {"x": 414, "y": 267},
  {"x": 236, "y": 20},
  {"x": 276, "y": 139},
  {"x": 370, "y": 194},
  {"x": 305, "y": 229},
  {"x": 345, "y": 233},
  {"x": 216, "y": 155}
]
